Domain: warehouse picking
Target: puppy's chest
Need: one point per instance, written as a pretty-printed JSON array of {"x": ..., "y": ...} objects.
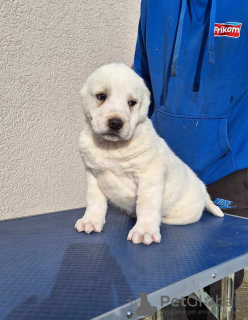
[
  {"x": 114, "y": 174},
  {"x": 100, "y": 160}
]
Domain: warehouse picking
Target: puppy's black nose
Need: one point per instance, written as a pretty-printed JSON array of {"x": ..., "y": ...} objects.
[{"x": 115, "y": 123}]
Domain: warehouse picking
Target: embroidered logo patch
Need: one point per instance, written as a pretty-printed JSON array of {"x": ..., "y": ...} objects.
[
  {"x": 223, "y": 204},
  {"x": 228, "y": 29}
]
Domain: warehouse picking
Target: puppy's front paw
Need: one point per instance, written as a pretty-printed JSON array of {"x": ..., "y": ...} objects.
[
  {"x": 88, "y": 225},
  {"x": 144, "y": 233}
]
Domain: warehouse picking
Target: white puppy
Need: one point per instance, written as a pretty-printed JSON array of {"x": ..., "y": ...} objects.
[{"x": 128, "y": 164}]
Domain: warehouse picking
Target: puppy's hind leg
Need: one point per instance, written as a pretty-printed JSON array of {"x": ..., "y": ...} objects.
[
  {"x": 179, "y": 221},
  {"x": 94, "y": 217},
  {"x": 184, "y": 213}
]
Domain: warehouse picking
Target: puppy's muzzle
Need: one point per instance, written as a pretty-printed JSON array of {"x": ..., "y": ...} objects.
[{"x": 115, "y": 123}]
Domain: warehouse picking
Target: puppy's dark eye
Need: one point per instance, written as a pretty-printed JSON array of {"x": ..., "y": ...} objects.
[
  {"x": 101, "y": 96},
  {"x": 132, "y": 103}
]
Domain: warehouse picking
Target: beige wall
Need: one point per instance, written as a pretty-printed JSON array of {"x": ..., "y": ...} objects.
[{"x": 47, "y": 50}]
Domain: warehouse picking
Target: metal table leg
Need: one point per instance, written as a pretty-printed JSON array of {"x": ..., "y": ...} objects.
[
  {"x": 158, "y": 315},
  {"x": 227, "y": 295},
  {"x": 226, "y": 298}
]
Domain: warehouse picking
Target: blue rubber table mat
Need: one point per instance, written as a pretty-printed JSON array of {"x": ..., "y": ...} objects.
[{"x": 50, "y": 271}]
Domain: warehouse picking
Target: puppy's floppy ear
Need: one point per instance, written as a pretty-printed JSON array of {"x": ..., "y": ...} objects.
[
  {"x": 83, "y": 91},
  {"x": 84, "y": 95},
  {"x": 85, "y": 100},
  {"x": 147, "y": 93},
  {"x": 145, "y": 103}
]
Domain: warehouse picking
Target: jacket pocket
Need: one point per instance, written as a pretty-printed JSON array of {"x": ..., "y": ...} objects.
[{"x": 199, "y": 142}]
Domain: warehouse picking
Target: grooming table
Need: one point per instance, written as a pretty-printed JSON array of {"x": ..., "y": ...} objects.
[{"x": 50, "y": 271}]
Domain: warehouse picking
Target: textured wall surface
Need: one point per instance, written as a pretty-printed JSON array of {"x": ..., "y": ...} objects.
[{"x": 48, "y": 48}]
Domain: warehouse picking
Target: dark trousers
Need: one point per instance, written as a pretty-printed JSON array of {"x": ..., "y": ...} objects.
[{"x": 233, "y": 188}]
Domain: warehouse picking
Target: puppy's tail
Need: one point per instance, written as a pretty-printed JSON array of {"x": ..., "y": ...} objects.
[{"x": 211, "y": 207}]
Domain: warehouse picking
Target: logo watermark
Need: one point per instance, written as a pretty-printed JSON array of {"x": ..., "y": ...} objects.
[{"x": 142, "y": 306}]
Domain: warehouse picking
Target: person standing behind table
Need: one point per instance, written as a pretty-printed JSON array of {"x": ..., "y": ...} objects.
[{"x": 194, "y": 61}]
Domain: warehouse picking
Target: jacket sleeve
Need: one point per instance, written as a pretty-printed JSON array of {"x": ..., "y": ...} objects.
[{"x": 141, "y": 65}]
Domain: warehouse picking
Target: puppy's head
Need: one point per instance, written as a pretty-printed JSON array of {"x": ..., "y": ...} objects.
[{"x": 115, "y": 100}]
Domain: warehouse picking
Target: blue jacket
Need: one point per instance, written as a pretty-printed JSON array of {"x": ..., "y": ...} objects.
[{"x": 193, "y": 57}]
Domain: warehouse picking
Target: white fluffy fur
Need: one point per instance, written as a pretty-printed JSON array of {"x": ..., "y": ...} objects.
[{"x": 135, "y": 169}]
